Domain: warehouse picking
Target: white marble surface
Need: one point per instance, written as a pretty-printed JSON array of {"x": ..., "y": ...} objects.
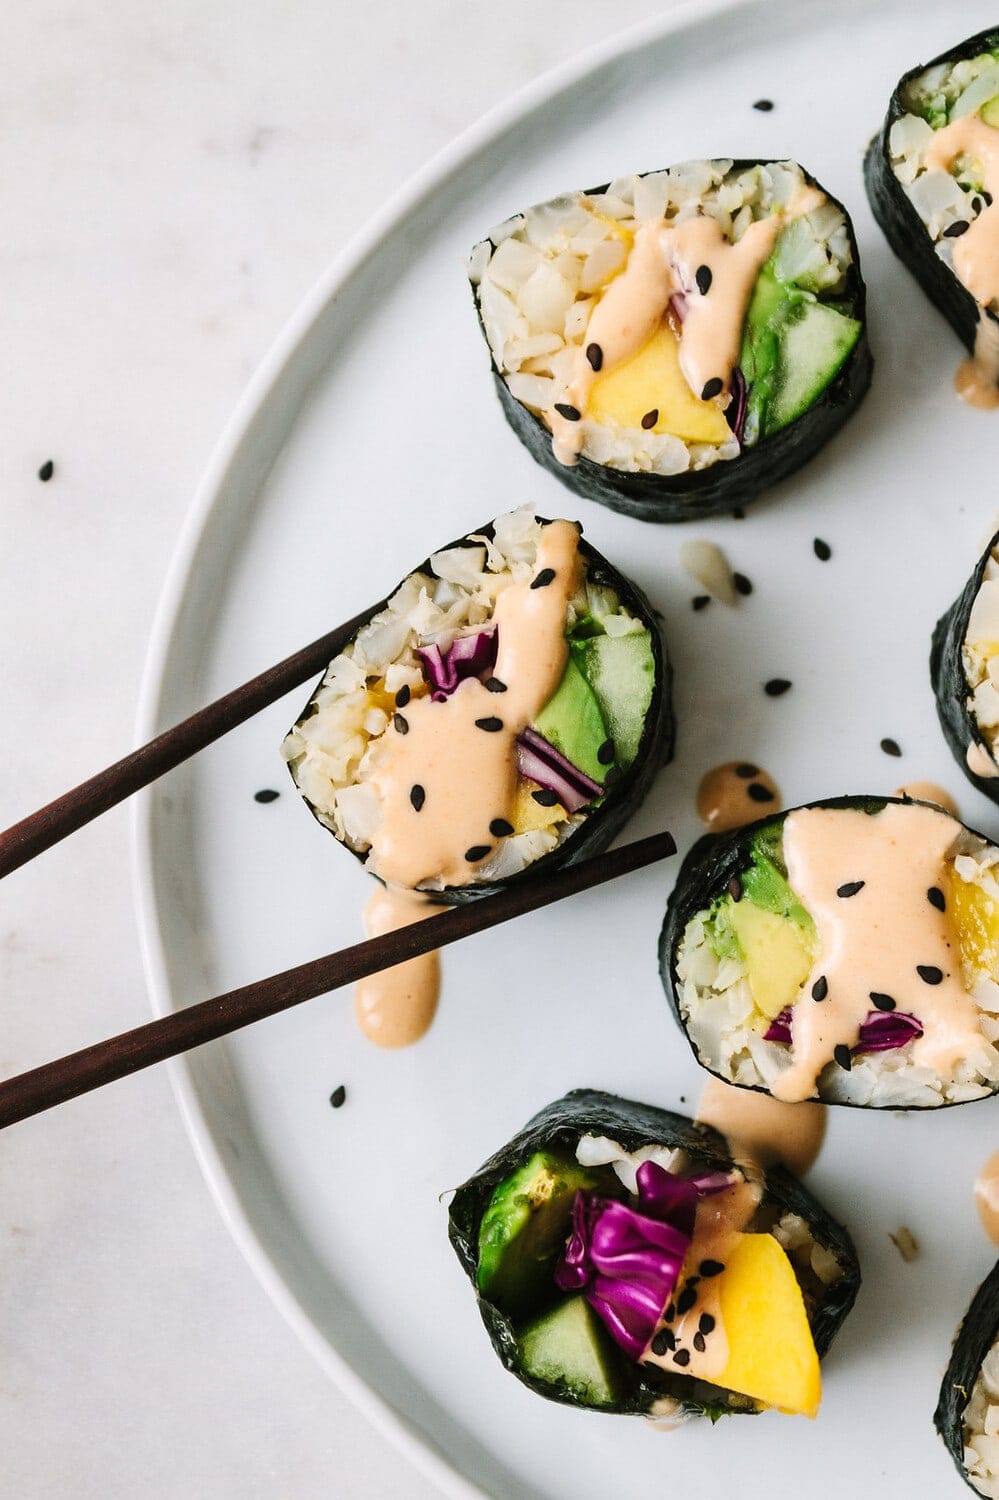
[{"x": 173, "y": 178}]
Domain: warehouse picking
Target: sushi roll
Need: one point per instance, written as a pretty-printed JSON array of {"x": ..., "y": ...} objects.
[
  {"x": 505, "y": 709},
  {"x": 672, "y": 343},
  {"x": 846, "y": 951},
  {"x": 964, "y": 670},
  {"x": 932, "y": 173},
  {"x": 967, "y": 1414},
  {"x": 629, "y": 1260}
]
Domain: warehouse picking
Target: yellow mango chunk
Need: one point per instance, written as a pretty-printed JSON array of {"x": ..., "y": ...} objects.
[
  {"x": 975, "y": 918},
  {"x": 529, "y": 814},
  {"x": 653, "y": 381},
  {"x": 778, "y": 957},
  {"x": 771, "y": 1351}
]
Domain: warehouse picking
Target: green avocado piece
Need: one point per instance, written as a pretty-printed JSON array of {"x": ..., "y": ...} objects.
[
  {"x": 622, "y": 673},
  {"x": 570, "y": 1348},
  {"x": 524, "y": 1229},
  {"x": 571, "y": 720}
]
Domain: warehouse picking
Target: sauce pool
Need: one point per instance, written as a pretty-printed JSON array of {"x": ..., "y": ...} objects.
[
  {"x": 736, "y": 793},
  {"x": 768, "y": 1130},
  {"x": 395, "y": 1007},
  {"x": 987, "y": 1197}
]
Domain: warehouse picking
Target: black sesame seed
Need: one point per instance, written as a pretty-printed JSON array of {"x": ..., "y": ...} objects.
[
  {"x": 477, "y": 852},
  {"x": 651, "y": 418},
  {"x": 745, "y": 770},
  {"x": 266, "y": 794},
  {"x": 953, "y": 231},
  {"x": 664, "y": 1340},
  {"x": 988, "y": 198},
  {"x": 935, "y": 897},
  {"x": 711, "y": 1267},
  {"x": 820, "y": 988},
  {"x": 491, "y": 725},
  {"x": 841, "y": 1053},
  {"x": 543, "y": 579},
  {"x": 891, "y": 747},
  {"x": 700, "y": 601},
  {"x": 403, "y": 696},
  {"x": 777, "y": 687},
  {"x": 606, "y": 753},
  {"x": 686, "y": 1300},
  {"x": 338, "y": 1097},
  {"x": 822, "y": 549},
  {"x": 500, "y": 828},
  {"x": 670, "y": 1313},
  {"x": 494, "y": 685},
  {"x": 682, "y": 1357},
  {"x": 706, "y": 1323},
  {"x": 692, "y": 1280},
  {"x": 46, "y": 471},
  {"x": 850, "y": 888},
  {"x": 613, "y": 776},
  {"x": 742, "y": 584},
  {"x": 417, "y": 795},
  {"x": 929, "y": 973},
  {"x": 401, "y": 724},
  {"x": 712, "y": 388},
  {"x": 977, "y": 204},
  {"x": 881, "y": 1002},
  {"x": 595, "y": 355},
  {"x": 738, "y": 514},
  {"x": 545, "y": 797},
  {"x": 757, "y": 792},
  {"x": 698, "y": 1342},
  {"x": 764, "y": 106},
  {"x": 735, "y": 888},
  {"x": 571, "y": 413},
  {"x": 703, "y": 278}
]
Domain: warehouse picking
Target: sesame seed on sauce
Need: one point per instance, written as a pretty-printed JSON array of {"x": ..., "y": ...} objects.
[
  {"x": 613, "y": 776},
  {"x": 495, "y": 685},
  {"x": 543, "y": 579},
  {"x": 988, "y": 198},
  {"x": 670, "y": 1313},
  {"x": 929, "y": 973},
  {"x": 705, "y": 1323},
  {"x": 698, "y": 1342},
  {"x": 571, "y": 413},
  {"x": 606, "y": 753},
  {"x": 822, "y": 549},
  {"x": 777, "y": 687},
  {"x": 338, "y": 1098},
  {"x": 700, "y": 601},
  {"x": 46, "y": 471},
  {"x": 651, "y": 418},
  {"x": 477, "y": 852},
  {"x": 401, "y": 724},
  {"x": 745, "y": 770},
  {"x": 734, "y": 888},
  {"x": 742, "y": 584},
  {"x": 417, "y": 795},
  {"x": 977, "y": 204},
  {"x": 664, "y": 1340},
  {"x": 491, "y": 725},
  {"x": 703, "y": 278},
  {"x": 711, "y": 1267},
  {"x": 682, "y": 1357},
  {"x": 850, "y": 888},
  {"x": 936, "y": 897},
  {"x": 712, "y": 388},
  {"x": 953, "y": 231},
  {"x": 881, "y": 1002},
  {"x": 403, "y": 696},
  {"x": 891, "y": 747},
  {"x": 266, "y": 794},
  {"x": 500, "y": 828},
  {"x": 820, "y": 988},
  {"x": 545, "y": 797},
  {"x": 757, "y": 792},
  {"x": 595, "y": 356},
  {"x": 686, "y": 1300},
  {"x": 764, "y": 106},
  {"x": 841, "y": 1054}
]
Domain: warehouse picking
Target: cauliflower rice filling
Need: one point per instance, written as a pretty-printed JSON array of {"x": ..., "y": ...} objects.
[
  {"x": 980, "y": 657},
  {"x": 981, "y": 1428}
]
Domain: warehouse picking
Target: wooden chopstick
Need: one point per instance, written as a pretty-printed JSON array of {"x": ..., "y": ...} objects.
[
  {"x": 40, "y": 1089},
  {"x": 40, "y": 830}
]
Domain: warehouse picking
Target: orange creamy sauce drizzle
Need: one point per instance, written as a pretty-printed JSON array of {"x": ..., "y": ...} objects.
[
  {"x": 663, "y": 260},
  {"x": 395, "y": 1007},
  {"x": 767, "y": 1130},
  {"x": 987, "y": 1197},
  {"x": 735, "y": 793},
  {"x": 866, "y": 942}
]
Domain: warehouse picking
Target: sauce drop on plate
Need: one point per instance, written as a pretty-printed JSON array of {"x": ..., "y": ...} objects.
[
  {"x": 987, "y": 1197},
  {"x": 735, "y": 793},
  {"x": 768, "y": 1130}
]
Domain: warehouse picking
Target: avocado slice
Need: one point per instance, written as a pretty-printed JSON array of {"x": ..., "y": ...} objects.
[
  {"x": 570, "y": 1348},
  {"x": 621, "y": 671},
  {"x": 572, "y": 721},
  {"x": 524, "y": 1229}
]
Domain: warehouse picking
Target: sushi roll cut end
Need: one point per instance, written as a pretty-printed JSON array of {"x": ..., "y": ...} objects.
[{"x": 967, "y": 1414}]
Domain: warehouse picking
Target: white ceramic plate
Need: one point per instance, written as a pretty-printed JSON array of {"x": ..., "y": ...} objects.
[{"x": 371, "y": 436}]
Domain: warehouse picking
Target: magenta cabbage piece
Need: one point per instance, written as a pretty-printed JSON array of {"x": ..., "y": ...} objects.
[
  {"x": 627, "y": 1261},
  {"x": 735, "y": 413},
  {"x": 539, "y": 761},
  {"x": 883, "y": 1031},
  {"x": 467, "y": 656}
]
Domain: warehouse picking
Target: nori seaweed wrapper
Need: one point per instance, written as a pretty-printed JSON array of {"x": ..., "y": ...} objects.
[
  {"x": 950, "y": 685},
  {"x": 615, "y": 807},
  {"x": 903, "y": 228},
  {"x": 728, "y": 483},
  {"x": 704, "y": 875},
  {"x": 972, "y": 1342},
  {"x": 559, "y": 1127}
]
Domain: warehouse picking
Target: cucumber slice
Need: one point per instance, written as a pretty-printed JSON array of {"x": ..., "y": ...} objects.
[
  {"x": 524, "y": 1230},
  {"x": 621, "y": 671},
  {"x": 815, "y": 343},
  {"x": 570, "y": 1348}
]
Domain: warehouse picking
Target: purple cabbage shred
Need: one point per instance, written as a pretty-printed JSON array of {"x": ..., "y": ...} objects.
[
  {"x": 539, "y": 761},
  {"x": 467, "y": 656},
  {"x": 883, "y": 1031}
]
